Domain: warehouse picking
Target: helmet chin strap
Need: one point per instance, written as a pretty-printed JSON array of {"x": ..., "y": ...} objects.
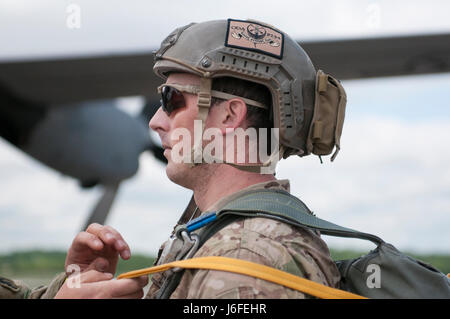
[
  {"x": 267, "y": 167},
  {"x": 204, "y": 104}
]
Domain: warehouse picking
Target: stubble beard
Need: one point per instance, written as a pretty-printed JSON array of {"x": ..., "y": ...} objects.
[{"x": 191, "y": 177}]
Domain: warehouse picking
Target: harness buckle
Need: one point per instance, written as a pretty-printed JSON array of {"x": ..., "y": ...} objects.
[{"x": 190, "y": 246}]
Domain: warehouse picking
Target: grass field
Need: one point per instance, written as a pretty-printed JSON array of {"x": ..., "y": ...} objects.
[{"x": 38, "y": 267}]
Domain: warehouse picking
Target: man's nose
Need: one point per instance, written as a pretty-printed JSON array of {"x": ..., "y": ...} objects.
[{"x": 159, "y": 121}]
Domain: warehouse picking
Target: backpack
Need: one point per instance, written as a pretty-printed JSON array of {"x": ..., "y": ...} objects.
[{"x": 384, "y": 272}]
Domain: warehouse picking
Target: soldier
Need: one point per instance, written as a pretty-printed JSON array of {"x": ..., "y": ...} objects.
[
  {"x": 269, "y": 82},
  {"x": 229, "y": 75}
]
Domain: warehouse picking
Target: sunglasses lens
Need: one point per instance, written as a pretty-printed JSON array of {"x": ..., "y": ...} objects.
[{"x": 171, "y": 99}]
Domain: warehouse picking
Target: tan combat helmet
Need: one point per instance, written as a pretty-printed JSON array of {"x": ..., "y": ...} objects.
[{"x": 308, "y": 107}]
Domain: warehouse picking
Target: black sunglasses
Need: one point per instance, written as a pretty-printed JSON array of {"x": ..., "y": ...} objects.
[{"x": 171, "y": 99}]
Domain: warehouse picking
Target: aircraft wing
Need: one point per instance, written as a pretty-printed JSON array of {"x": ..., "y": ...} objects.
[
  {"x": 60, "y": 81},
  {"x": 379, "y": 57},
  {"x": 63, "y": 80}
]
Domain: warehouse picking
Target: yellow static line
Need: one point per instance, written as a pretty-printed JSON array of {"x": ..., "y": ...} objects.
[{"x": 251, "y": 269}]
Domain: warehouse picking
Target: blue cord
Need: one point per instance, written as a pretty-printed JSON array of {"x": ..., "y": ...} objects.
[{"x": 201, "y": 221}]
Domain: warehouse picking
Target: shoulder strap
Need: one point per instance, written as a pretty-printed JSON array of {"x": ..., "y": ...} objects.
[
  {"x": 274, "y": 204},
  {"x": 280, "y": 205},
  {"x": 215, "y": 227}
]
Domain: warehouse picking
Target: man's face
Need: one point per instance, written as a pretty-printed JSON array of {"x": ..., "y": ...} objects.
[
  {"x": 227, "y": 115},
  {"x": 183, "y": 117}
]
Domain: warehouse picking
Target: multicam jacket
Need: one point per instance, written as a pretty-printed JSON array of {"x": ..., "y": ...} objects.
[
  {"x": 299, "y": 251},
  {"x": 15, "y": 289}
]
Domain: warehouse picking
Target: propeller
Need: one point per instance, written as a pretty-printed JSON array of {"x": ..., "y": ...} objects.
[
  {"x": 92, "y": 141},
  {"x": 103, "y": 207}
]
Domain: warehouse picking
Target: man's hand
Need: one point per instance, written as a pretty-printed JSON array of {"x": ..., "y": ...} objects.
[
  {"x": 98, "y": 285},
  {"x": 98, "y": 248}
]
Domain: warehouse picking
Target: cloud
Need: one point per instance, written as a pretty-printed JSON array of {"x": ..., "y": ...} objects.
[
  {"x": 413, "y": 98},
  {"x": 148, "y": 207},
  {"x": 39, "y": 29}
]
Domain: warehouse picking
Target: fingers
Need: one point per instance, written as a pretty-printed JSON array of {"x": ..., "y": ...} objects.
[
  {"x": 111, "y": 237},
  {"x": 95, "y": 284},
  {"x": 127, "y": 288},
  {"x": 94, "y": 276},
  {"x": 99, "y": 264},
  {"x": 84, "y": 239}
]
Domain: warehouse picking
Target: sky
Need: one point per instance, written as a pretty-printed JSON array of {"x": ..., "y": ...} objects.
[
  {"x": 42, "y": 28},
  {"x": 391, "y": 178}
]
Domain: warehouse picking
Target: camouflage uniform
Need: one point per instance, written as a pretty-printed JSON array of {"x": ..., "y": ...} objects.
[
  {"x": 299, "y": 251},
  {"x": 15, "y": 289}
]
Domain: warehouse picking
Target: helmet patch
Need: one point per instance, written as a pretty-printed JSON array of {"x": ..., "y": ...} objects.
[{"x": 252, "y": 36}]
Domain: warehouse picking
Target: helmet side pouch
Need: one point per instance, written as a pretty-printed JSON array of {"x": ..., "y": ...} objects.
[{"x": 328, "y": 117}]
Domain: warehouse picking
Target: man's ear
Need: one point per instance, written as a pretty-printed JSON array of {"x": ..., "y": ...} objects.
[{"x": 235, "y": 114}]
